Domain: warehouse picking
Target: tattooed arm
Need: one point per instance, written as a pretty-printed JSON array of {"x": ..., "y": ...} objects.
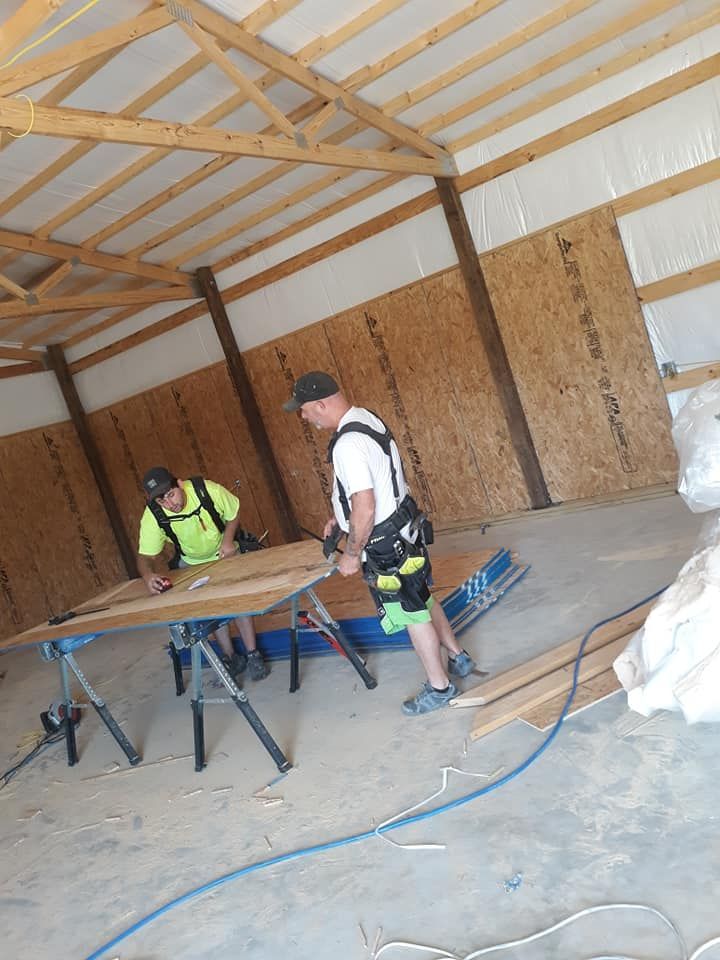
[{"x": 362, "y": 520}]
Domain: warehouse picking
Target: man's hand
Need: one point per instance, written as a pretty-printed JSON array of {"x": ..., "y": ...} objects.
[
  {"x": 329, "y": 527},
  {"x": 154, "y": 583},
  {"x": 227, "y": 550},
  {"x": 348, "y": 565}
]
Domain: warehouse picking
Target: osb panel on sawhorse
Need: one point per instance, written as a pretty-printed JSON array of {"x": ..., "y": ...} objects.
[{"x": 579, "y": 351}]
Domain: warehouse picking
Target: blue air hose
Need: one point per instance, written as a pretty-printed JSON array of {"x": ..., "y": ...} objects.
[{"x": 395, "y": 825}]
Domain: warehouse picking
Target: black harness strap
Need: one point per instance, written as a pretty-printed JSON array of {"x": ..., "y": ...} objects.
[
  {"x": 165, "y": 521},
  {"x": 384, "y": 439}
]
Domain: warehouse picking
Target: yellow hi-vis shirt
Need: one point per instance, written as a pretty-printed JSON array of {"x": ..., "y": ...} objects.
[{"x": 199, "y": 537}]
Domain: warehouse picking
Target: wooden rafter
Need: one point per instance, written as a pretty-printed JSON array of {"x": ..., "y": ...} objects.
[
  {"x": 311, "y": 129},
  {"x": 393, "y": 106},
  {"x": 308, "y": 54},
  {"x": 113, "y": 128},
  {"x": 212, "y": 49},
  {"x": 26, "y": 73},
  {"x": 21, "y": 369},
  {"x": 24, "y": 22},
  {"x": 14, "y": 289},
  {"x": 95, "y": 301},
  {"x": 288, "y": 67},
  {"x": 54, "y": 276},
  {"x": 489, "y": 54},
  {"x": 92, "y": 258},
  {"x": 577, "y": 85},
  {"x": 19, "y": 353}
]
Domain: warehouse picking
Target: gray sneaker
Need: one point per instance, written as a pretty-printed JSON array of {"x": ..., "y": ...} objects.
[
  {"x": 460, "y": 665},
  {"x": 256, "y": 665},
  {"x": 428, "y": 699}
]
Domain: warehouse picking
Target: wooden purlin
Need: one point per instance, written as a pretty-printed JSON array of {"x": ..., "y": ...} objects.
[
  {"x": 29, "y": 72},
  {"x": 584, "y": 82},
  {"x": 536, "y": 71},
  {"x": 691, "y": 378},
  {"x": 20, "y": 26}
]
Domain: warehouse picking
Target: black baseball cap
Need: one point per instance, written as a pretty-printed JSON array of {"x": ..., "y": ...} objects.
[
  {"x": 157, "y": 481},
  {"x": 315, "y": 385}
]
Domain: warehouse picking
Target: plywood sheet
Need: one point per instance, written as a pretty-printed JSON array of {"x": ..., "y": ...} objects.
[
  {"x": 579, "y": 351},
  {"x": 59, "y": 515},
  {"x": 300, "y": 449},
  {"x": 129, "y": 444},
  {"x": 474, "y": 395},
  {"x": 254, "y": 486},
  {"x": 348, "y": 597},
  {"x": 241, "y": 585}
]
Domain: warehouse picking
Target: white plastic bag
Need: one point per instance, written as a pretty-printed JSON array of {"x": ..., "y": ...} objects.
[
  {"x": 696, "y": 434},
  {"x": 673, "y": 662}
]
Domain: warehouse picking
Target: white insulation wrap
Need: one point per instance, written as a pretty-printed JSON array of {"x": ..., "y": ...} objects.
[{"x": 673, "y": 662}]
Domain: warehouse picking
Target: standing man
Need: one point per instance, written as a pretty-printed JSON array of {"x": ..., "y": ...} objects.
[
  {"x": 200, "y": 519},
  {"x": 384, "y": 527}
]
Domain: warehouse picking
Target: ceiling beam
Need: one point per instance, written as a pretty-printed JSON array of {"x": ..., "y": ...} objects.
[
  {"x": 288, "y": 67},
  {"x": 30, "y": 72},
  {"x": 21, "y": 369},
  {"x": 14, "y": 289},
  {"x": 24, "y": 22},
  {"x": 113, "y": 128},
  {"x": 487, "y": 55},
  {"x": 19, "y": 353},
  {"x": 213, "y": 51},
  {"x": 54, "y": 276},
  {"x": 590, "y": 78},
  {"x": 95, "y": 301},
  {"x": 92, "y": 258}
]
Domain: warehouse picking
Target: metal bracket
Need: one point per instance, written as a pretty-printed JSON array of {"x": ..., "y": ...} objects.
[
  {"x": 668, "y": 369},
  {"x": 301, "y": 140},
  {"x": 179, "y": 12}
]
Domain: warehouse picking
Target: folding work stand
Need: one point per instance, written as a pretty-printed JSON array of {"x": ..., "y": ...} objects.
[
  {"x": 194, "y": 636},
  {"x": 62, "y": 651}
]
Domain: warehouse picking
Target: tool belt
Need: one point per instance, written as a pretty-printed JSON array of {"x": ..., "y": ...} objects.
[{"x": 388, "y": 549}]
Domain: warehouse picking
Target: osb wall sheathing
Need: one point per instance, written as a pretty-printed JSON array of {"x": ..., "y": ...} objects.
[
  {"x": 415, "y": 358},
  {"x": 194, "y": 426},
  {"x": 56, "y": 546},
  {"x": 578, "y": 347}
]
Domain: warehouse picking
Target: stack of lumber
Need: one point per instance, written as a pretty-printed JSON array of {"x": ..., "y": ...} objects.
[{"x": 535, "y": 691}]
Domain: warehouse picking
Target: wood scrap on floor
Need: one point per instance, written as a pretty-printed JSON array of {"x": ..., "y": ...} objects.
[
  {"x": 588, "y": 693},
  {"x": 536, "y": 691}
]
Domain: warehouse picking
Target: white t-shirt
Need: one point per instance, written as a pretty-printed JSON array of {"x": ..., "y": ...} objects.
[{"x": 360, "y": 463}]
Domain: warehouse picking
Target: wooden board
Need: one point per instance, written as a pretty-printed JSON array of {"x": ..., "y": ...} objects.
[
  {"x": 300, "y": 449},
  {"x": 348, "y": 597},
  {"x": 540, "y": 666},
  {"x": 54, "y": 510},
  {"x": 511, "y": 706},
  {"x": 592, "y": 691},
  {"x": 578, "y": 347},
  {"x": 240, "y": 586},
  {"x": 474, "y": 394}
]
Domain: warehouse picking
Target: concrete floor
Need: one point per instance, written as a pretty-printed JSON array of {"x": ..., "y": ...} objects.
[{"x": 618, "y": 809}]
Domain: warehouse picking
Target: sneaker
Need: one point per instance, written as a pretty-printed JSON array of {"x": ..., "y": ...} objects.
[
  {"x": 235, "y": 665},
  {"x": 428, "y": 699},
  {"x": 460, "y": 665},
  {"x": 256, "y": 665}
]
